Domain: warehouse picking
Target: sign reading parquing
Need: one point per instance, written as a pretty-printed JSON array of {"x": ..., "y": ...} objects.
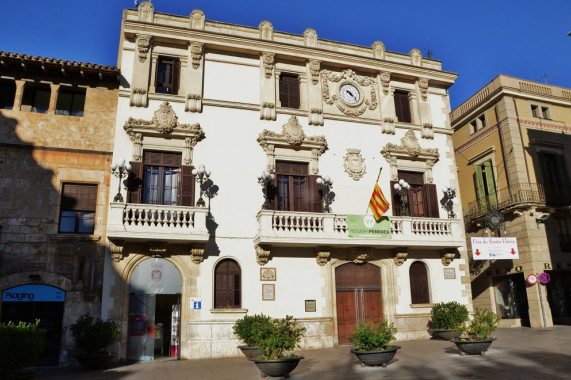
[{"x": 494, "y": 248}]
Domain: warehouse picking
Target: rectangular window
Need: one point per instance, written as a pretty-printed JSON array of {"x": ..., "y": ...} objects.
[
  {"x": 70, "y": 102},
  {"x": 473, "y": 127},
  {"x": 36, "y": 99},
  {"x": 563, "y": 233},
  {"x": 77, "y": 210},
  {"x": 168, "y": 71},
  {"x": 534, "y": 111},
  {"x": 482, "y": 119},
  {"x": 555, "y": 178},
  {"x": 421, "y": 200},
  {"x": 485, "y": 185},
  {"x": 402, "y": 107},
  {"x": 7, "y": 94},
  {"x": 161, "y": 178},
  {"x": 289, "y": 90},
  {"x": 545, "y": 113},
  {"x": 295, "y": 189}
]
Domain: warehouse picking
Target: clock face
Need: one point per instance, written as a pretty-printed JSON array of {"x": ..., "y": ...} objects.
[{"x": 349, "y": 93}]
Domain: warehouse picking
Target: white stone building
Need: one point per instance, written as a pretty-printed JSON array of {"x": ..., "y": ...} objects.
[{"x": 241, "y": 100}]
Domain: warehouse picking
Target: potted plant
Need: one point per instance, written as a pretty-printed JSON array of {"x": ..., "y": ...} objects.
[
  {"x": 276, "y": 338},
  {"x": 20, "y": 346},
  {"x": 476, "y": 335},
  {"x": 245, "y": 329},
  {"x": 447, "y": 318},
  {"x": 92, "y": 336},
  {"x": 371, "y": 342}
]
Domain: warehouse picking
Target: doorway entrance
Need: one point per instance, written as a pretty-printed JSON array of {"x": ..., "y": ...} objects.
[
  {"x": 154, "y": 310},
  {"x": 358, "y": 294}
]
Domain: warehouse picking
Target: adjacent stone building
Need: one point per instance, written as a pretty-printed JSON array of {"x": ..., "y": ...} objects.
[
  {"x": 232, "y": 135},
  {"x": 57, "y": 122},
  {"x": 513, "y": 150}
]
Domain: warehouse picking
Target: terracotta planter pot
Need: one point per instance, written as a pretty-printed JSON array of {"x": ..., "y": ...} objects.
[
  {"x": 473, "y": 346},
  {"x": 376, "y": 358},
  {"x": 278, "y": 367},
  {"x": 100, "y": 361},
  {"x": 251, "y": 352},
  {"x": 445, "y": 334}
]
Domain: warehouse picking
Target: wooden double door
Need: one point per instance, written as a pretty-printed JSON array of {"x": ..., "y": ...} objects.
[{"x": 358, "y": 294}]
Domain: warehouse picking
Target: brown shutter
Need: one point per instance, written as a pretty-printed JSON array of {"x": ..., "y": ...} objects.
[
  {"x": 289, "y": 90},
  {"x": 186, "y": 186},
  {"x": 135, "y": 183},
  {"x": 402, "y": 107},
  {"x": 76, "y": 197},
  {"x": 175, "y": 76},
  {"x": 431, "y": 200},
  {"x": 418, "y": 283},
  {"x": 315, "y": 195},
  {"x": 272, "y": 192},
  {"x": 395, "y": 200}
]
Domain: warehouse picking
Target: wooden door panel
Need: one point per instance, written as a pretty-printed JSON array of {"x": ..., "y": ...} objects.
[
  {"x": 345, "y": 315},
  {"x": 373, "y": 308}
]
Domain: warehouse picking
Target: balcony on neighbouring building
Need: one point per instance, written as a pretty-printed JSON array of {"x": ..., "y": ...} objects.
[{"x": 284, "y": 228}]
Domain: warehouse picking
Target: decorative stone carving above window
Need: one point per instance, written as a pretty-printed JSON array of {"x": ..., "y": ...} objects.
[
  {"x": 388, "y": 125},
  {"x": 268, "y": 111},
  {"x": 354, "y": 164},
  {"x": 292, "y": 143},
  {"x": 410, "y": 155},
  {"x": 316, "y": 116},
  {"x": 314, "y": 67},
  {"x": 323, "y": 254},
  {"x": 360, "y": 255},
  {"x": 415, "y": 57},
  {"x": 378, "y": 50},
  {"x": 348, "y": 76},
  {"x": 197, "y": 19},
  {"x": 385, "y": 81},
  {"x": 164, "y": 123},
  {"x": 196, "y": 53},
  {"x": 266, "y": 30},
  {"x": 400, "y": 254},
  {"x": 268, "y": 61},
  {"x": 427, "y": 131},
  {"x": 310, "y": 36},
  {"x": 146, "y": 11},
  {"x": 139, "y": 97},
  {"x": 423, "y": 86},
  {"x": 143, "y": 44},
  {"x": 448, "y": 255}
]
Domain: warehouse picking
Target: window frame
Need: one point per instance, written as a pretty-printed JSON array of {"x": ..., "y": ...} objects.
[
  {"x": 82, "y": 207},
  {"x": 76, "y": 94},
  {"x": 30, "y": 98},
  {"x": 171, "y": 86},
  {"x": 311, "y": 201},
  {"x": 419, "y": 291},
  {"x": 403, "y": 109},
  {"x": 428, "y": 196},
  {"x": 289, "y": 90},
  {"x": 221, "y": 302},
  {"x": 7, "y": 92}
]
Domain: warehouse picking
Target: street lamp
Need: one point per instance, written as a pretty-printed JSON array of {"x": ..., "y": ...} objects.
[
  {"x": 201, "y": 174},
  {"x": 447, "y": 203},
  {"x": 120, "y": 170},
  {"x": 266, "y": 179},
  {"x": 402, "y": 187},
  {"x": 326, "y": 184}
]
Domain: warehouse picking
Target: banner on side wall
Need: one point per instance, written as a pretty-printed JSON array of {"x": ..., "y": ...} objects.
[
  {"x": 494, "y": 248},
  {"x": 366, "y": 227}
]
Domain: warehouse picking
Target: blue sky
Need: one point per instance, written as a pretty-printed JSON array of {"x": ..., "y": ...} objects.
[{"x": 476, "y": 39}]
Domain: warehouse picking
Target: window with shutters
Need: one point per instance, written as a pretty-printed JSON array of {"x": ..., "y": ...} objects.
[
  {"x": 227, "y": 286},
  {"x": 289, "y": 90},
  {"x": 167, "y": 75},
  {"x": 36, "y": 98},
  {"x": 555, "y": 178},
  {"x": 419, "y": 290},
  {"x": 295, "y": 189},
  {"x": 421, "y": 199},
  {"x": 77, "y": 209},
  {"x": 161, "y": 179},
  {"x": 7, "y": 94},
  {"x": 402, "y": 107},
  {"x": 485, "y": 185}
]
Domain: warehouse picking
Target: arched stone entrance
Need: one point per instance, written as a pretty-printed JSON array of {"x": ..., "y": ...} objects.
[
  {"x": 155, "y": 291},
  {"x": 358, "y": 294}
]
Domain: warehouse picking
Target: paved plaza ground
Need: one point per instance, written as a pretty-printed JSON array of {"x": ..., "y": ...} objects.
[{"x": 518, "y": 353}]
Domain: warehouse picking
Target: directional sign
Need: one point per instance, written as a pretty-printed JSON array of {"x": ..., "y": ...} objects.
[
  {"x": 544, "y": 278},
  {"x": 496, "y": 248},
  {"x": 531, "y": 279}
]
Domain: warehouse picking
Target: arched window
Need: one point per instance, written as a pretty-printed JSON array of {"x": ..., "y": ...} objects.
[
  {"x": 419, "y": 283},
  {"x": 227, "y": 284}
]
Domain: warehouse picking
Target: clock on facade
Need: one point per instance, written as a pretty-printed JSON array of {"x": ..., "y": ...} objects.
[{"x": 349, "y": 93}]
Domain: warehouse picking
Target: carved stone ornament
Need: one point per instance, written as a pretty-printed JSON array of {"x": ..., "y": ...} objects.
[
  {"x": 315, "y": 116},
  {"x": 310, "y": 37},
  {"x": 146, "y": 11},
  {"x": 348, "y": 76},
  {"x": 400, "y": 254},
  {"x": 423, "y": 87},
  {"x": 165, "y": 119},
  {"x": 385, "y": 81},
  {"x": 354, "y": 164},
  {"x": 314, "y": 67},
  {"x": 415, "y": 57},
  {"x": 268, "y": 61},
  {"x": 116, "y": 249},
  {"x": 143, "y": 44},
  {"x": 196, "y": 54},
  {"x": 322, "y": 255},
  {"x": 193, "y": 103},
  {"x": 266, "y": 30},
  {"x": 388, "y": 126},
  {"x": 448, "y": 255},
  {"x": 427, "y": 131},
  {"x": 262, "y": 255},
  {"x": 197, "y": 255},
  {"x": 293, "y": 132},
  {"x": 197, "y": 19},
  {"x": 360, "y": 255},
  {"x": 157, "y": 248},
  {"x": 268, "y": 111},
  {"x": 139, "y": 97},
  {"x": 378, "y": 50}
]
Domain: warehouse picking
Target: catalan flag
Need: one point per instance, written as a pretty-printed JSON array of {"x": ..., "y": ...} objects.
[{"x": 378, "y": 203}]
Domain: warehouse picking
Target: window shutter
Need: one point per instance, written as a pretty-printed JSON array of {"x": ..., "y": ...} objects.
[
  {"x": 315, "y": 195},
  {"x": 479, "y": 182},
  {"x": 289, "y": 90},
  {"x": 186, "y": 186},
  {"x": 418, "y": 283},
  {"x": 272, "y": 192},
  {"x": 402, "y": 107},
  {"x": 395, "y": 200},
  {"x": 490, "y": 182},
  {"x": 175, "y": 76},
  {"x": 135, "y": 182},
  {"x": 431, "y": 200},
  {"x": 76, "y": 197}
]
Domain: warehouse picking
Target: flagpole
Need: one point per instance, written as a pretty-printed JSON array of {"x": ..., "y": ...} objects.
[{"x": 379, "y": 176}]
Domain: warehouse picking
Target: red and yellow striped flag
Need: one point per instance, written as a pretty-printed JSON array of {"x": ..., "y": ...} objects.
[{"x": 378, "y": 203}]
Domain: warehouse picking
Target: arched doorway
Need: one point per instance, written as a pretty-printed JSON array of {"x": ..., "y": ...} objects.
[
  {"x": 155, "y": 289},
  {"x": 358, "y": 294}
]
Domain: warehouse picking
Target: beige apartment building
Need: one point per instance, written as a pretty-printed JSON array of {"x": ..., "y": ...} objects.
[
  {"x": 57, "y": 122},
  {"x": 512, "y": 143}
]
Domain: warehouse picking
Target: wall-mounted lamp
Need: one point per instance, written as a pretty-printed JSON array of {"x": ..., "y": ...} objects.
[
  {"x": 447, "y": 202},
  {"x": 201, "y": 174},
  {"x": 495, "y": 222},
  {"x": 120, "y": 170},
  {"x": 326, "y": 184},
  {"x": 266, "y": 179},
  {"x": 402, "y": 188}
]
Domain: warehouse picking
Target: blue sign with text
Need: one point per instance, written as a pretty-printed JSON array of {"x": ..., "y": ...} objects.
[{"x": 33, "y": 293}]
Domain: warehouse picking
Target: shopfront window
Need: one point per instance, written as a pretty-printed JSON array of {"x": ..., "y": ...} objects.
[{"x": 511, "y": 297}]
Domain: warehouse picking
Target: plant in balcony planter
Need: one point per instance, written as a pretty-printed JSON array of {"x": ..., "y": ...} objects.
[
  {"x": 276, "y": 338},
  {"x": 92, "y": 336},
  {"x": 371, "y": 342},
  {"x": 447, "y": 318},
  {"x": 476, "y": 335},
  {"x": 20, "y": 346},
  {"x": 246, "y": 329}
]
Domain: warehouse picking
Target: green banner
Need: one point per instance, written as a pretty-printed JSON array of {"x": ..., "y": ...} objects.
[{"x": 366, "y": 227}]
